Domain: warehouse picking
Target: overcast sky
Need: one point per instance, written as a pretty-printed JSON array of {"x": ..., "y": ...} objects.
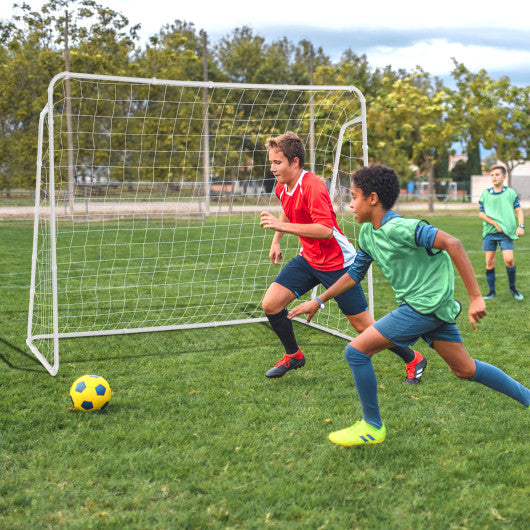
[{"x": 494, "y": 35}]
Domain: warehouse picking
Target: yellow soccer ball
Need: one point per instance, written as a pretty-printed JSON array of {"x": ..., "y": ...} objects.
[{"x": 90, "y": 392}]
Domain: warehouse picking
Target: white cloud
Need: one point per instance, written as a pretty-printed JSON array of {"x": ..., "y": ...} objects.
[{"x": 435, "y": 55}]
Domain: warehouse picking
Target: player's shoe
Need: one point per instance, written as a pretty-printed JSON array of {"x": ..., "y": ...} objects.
[
  {"x": 289, "y": 362},
  {"x": 516, "y": 294},
  {"x": 361, "y": 433},
  {"x": 490, "y": 295},
  {"x": 415, "y": 369}
]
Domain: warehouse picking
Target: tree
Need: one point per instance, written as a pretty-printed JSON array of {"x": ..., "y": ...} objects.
[
  {"x": 411, "y": 121},
  {"x": 511, "y": 123},
  {"x": 31, "y": 54},
  {"x": 494, "y": 113}
]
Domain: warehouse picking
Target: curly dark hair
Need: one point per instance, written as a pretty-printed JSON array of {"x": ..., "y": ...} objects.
[{"x": 379, "y": 179}]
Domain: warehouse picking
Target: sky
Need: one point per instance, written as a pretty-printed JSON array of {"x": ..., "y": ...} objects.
[{"x": 493, "y": 35}]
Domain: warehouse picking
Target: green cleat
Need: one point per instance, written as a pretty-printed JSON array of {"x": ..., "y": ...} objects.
[{"x": 360, "y": 433}]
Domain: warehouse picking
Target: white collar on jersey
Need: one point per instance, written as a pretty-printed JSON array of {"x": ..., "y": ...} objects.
[{"x": 298, "y": 183}]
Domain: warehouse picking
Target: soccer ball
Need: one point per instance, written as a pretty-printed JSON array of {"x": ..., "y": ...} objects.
[{"x": 90, "y": 392}]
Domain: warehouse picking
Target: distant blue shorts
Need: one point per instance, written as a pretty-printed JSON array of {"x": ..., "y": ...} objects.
[
  {"x": 490, "y": 242},
  {"x": 299, "y": 277},
  {"x": 404, "y": 327}
]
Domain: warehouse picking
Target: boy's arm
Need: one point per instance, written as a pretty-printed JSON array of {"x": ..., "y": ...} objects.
[
  {"x": 489, "y": 220},
  {"x": 275, "y": 253},
  {"x": 455, "y": 249},
  {"x": 310, "y": 307},
  {"x": 520, "y": 221},
  {"x": 313, "y": 231}
]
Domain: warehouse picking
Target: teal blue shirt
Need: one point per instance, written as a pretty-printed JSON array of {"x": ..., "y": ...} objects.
[{"x": 420, "y": 277}]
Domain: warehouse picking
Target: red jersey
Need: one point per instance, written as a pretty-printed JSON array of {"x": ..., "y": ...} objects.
[{"x": 309, "y": 203}]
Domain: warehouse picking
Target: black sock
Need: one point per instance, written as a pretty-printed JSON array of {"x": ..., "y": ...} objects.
[
  {"x": 283, "y": 327},
  {"x": 405, "y": 353}
]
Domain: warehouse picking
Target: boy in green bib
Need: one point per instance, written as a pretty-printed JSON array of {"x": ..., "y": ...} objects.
[
  {"x": 497, "y": 206},
  {"x": 418, "y": 260}
]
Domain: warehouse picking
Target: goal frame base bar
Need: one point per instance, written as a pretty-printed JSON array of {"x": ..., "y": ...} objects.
[{"x": 54, "y": 368}]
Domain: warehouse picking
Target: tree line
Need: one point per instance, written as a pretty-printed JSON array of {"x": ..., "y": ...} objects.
[{"x": 413, "y": 118}]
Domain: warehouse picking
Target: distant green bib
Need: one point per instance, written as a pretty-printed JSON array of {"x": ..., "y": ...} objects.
[
  {"x": 423, "y": 280},
  {"x": 499, "y": 206}
]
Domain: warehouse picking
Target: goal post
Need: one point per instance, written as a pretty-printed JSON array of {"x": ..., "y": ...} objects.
[{"x": 159, "y": 229}]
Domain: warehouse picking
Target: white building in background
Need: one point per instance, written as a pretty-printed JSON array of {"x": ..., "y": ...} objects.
[{"x": 520, "y": 183}]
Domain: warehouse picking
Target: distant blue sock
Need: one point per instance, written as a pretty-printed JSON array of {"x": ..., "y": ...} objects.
[
  {"x": 494, "y": 378},
  {"x": 490, "y": 278},
  {"x": 366, "y": 384},
  {"x": 511, "y": 276}
]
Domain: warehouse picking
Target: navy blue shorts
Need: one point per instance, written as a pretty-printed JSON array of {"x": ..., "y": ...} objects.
[
  {"x": 404, "y": 327},
  {"x": 490, "y": 241},
  {"x": 299, "y": 277}
]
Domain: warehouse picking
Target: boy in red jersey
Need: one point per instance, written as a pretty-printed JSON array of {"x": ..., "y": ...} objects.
[{"x": 326, "y": 255}]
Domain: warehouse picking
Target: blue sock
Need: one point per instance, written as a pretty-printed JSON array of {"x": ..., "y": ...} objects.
[
  {"x": 490, "y": 278},
  {"x": 511, "y": 277},
  {"x": 494, "y": 378},
  {"x": 366, "y": 384}
]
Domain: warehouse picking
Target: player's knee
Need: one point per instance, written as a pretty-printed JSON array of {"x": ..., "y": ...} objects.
[
  {"x": 361, "y": 322},
  {"x": 355, "y": 357},
  {"x": 268, "y": 307},
  {"x": 463, "y": 372}
]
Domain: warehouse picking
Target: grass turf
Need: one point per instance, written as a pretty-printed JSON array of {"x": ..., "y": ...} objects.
[{"x": 195, "y": 436}]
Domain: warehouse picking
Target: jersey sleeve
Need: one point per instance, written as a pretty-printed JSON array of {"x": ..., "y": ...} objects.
[
  {"x": 319, "y": 204},
  {"x": 425, "y": 235},
  {"x": 361, "y": 264}
]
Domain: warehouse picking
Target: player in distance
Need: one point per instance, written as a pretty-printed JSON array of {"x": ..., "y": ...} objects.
[
  {"x": 497, "y": 206},
  {"x": 417, "y": 259},
  {"x": 326, "y": 254}
]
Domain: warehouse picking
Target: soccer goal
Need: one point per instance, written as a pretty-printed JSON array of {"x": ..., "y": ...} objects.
[{"x": 148, "y": 199}]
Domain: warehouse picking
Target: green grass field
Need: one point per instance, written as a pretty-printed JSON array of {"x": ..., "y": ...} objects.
[{"x": 196, "y": 437}]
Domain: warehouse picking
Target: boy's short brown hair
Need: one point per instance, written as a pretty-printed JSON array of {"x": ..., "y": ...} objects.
[
  {"x": 498, "y": 166},
  {"x": 290, "y": 145}
]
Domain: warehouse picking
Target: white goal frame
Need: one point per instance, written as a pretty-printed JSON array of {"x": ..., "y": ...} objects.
[{"x": 45, "y": 309}]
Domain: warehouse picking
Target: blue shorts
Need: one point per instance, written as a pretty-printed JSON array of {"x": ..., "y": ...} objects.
[
  {"x": 299, "y": 277},
  {"x": 404, "y": 327},
  {"x": 490, "y": 242}
]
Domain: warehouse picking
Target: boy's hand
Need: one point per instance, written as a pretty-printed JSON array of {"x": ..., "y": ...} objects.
[
  {"x": 310, "y": 307},
  {"x": 477, "y": 310},
  {"x": 275, "y": 254},
  {"x": 268, "y": 220}
]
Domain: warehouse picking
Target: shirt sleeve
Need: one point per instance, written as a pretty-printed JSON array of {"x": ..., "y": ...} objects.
[
  {"x": 425, "y": 235},
  {"x": 516, "y": 203},
  {"x": 361, "y": 264},
  {"x": 319, "y": 203},
  {"x": 481, "y": 206}
]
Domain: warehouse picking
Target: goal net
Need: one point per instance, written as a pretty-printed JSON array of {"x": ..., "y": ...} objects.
[{"x": 148, "y": 200}]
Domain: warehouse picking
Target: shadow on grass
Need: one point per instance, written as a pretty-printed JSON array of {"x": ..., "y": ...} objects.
[{"x": 4, "y": 344}]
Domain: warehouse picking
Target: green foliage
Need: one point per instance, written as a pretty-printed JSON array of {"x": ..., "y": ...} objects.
[
  {"x": 413, "y": 118},
  {"x": 196, "y": 437},
  {"x": 495, "y": 112}
]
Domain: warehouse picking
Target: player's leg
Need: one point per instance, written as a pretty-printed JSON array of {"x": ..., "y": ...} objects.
[
  {"x": 274, "y": 303},
  {"x": 507, "y": 254},
  {"x": 354, "y": 306},
  {"x": 293, "y": 281},
  {"x": 489, "y": 246},
  {"x": 463, "y": 366},
  {"x": 370, "y": 430}
]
